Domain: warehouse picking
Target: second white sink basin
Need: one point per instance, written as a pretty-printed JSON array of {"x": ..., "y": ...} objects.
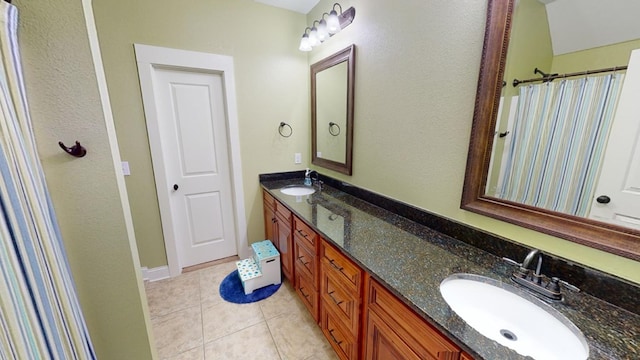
[
  {"x": 531, "y": 328},
  {"x": 297, "y": 190}
]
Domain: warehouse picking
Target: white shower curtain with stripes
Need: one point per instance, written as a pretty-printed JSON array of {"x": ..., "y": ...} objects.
[
  {"x": 40, "y": 314},
  {"x": 559, "y": 138}
]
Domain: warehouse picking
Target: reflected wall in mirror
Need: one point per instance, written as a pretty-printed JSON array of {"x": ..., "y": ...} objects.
[
  {"x": 560, "y": 153},
  {"x": 332, "y": 94}
]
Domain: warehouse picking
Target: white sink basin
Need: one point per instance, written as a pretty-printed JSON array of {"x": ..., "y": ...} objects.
[
  {"x": 297, "y": 190},
  {"x": 530, "y": 327}
]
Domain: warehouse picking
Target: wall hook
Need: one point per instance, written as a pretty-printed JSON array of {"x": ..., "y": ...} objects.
[
  {"x": 76, "y": 150},
  {"x": 283, "y": 125}
]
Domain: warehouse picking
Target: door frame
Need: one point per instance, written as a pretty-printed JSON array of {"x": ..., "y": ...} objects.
[{"x": 150, "y": 57}]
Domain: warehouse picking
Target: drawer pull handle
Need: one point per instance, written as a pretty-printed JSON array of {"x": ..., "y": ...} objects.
[
  {"x": 302, "y": 233},
  {"x": 334, "y": 338},
  {"x": 335, "y": 266},
  {"x": 303, "y": 294},
  {"x": 302, "y": 261},
  {"x": 334, "y": 299}
]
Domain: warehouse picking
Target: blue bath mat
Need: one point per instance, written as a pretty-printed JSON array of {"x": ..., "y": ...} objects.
[{"x": 231, "y": 290}]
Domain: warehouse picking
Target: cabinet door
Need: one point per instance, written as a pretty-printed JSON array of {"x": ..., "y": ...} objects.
[
  {"x": 406, "y": 325},
  {"x": 383, "y": 343},
  {"x": 269, "y": 221},
  {"x": 283, "y": 240}
]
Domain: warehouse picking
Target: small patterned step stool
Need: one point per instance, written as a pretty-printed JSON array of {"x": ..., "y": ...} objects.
[{"x": 260, "y": 270}]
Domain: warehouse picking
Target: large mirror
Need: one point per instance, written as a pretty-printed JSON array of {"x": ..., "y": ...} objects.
[
  {"x": 558, "y": 150},
  {"x": 332, "y": 111}
]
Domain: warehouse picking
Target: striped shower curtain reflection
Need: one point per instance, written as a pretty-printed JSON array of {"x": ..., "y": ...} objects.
[
  {"x": 559, "y": 137},
  {"x": 40, "y": 314}
]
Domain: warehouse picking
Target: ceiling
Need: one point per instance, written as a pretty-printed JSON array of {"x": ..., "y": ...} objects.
[
  {"x": 301, "y": 6},
  {"x": 585, "y": 24}
]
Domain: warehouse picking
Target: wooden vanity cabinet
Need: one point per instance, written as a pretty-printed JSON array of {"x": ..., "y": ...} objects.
[
  {"x": 394, "y": 331},
  {"x": 305, "y": 255},
  {"x": 360, "y": 318},
  {"x": 341, "y": 301},
  {"x": 277, "y": 226}
]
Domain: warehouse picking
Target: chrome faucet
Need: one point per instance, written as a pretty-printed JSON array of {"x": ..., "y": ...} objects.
[
  {"x": 533, "y": 279},
  {"x": 524, "y": 267},
  {"x": 317, "y": 180}
]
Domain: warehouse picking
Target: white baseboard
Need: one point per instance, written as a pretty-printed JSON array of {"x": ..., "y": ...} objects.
[{"x": 155, "y": 274}]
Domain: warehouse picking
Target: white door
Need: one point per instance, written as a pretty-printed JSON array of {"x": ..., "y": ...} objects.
[
  {"x": 193, "y": 136},
  {"x": 620, "y": 175},
  {"x": 193, "y": 133}
]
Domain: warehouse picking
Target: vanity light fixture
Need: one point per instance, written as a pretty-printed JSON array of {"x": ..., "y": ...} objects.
[
  {"x": 326, "y": 28},
  {"x": 305, "y": 44}
]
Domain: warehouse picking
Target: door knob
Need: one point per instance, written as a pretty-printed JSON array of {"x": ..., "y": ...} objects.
[
  {"x": 603, "y": 199},
  {"x": 175, "y": 187}
]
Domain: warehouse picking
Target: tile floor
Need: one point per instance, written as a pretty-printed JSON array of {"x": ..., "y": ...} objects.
[{"x": 192, "y": 322}]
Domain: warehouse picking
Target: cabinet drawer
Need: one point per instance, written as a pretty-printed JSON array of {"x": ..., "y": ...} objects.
[
  {"x": 268, "y": 200},
  {"x": 283, "y": 211},
  {"x": 304, "y": 232},
  {"x": 343, "y": 342},
  {"x": 308, "y": 294},
  {"x": 350, "y": 274},
  {"x": 413, "y": 329},
  {"x": 305, "y": 261},
  {"x": 345, "y": 305}
]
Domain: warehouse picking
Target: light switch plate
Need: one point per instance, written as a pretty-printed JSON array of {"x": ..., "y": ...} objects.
[
  {"x": 298, "y": 158},
  {"x": 125, "y": 168}
]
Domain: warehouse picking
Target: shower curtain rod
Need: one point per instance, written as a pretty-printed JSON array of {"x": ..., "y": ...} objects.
[{"x": 551, "y": 77}]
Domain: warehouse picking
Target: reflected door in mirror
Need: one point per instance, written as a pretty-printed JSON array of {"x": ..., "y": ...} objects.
[{"x": 331, "y": 113}]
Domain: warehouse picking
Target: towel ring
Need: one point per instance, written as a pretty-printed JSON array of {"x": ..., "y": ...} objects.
[
  {"x": 331, "y": 131},
  {"x": 283, "y": 125}
]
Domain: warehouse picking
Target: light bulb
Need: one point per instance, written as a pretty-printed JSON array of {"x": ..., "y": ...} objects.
[
  {"x": 323, "y": 33},
  {"x": 313, "y": 37},
  {"x": 304, "y": 43},
  {"x": 333, "y": 23}
]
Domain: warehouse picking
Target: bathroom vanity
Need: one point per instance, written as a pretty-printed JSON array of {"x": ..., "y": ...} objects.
[{"x": 371, "y": 279}]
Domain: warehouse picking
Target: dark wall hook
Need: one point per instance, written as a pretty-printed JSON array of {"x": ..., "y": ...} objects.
[{"x": 76, "y": 150}]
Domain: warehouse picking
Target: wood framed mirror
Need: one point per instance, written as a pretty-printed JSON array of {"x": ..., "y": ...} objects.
[
  {"x": 612, "y": 238},
  {"x": 332, "y": 93}
]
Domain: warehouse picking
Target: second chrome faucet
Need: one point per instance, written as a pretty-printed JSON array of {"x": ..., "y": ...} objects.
[{"x": 533, "y": 279}]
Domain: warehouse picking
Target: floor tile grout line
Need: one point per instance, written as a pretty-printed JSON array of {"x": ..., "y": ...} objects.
[{"x": 275, "y": 343}]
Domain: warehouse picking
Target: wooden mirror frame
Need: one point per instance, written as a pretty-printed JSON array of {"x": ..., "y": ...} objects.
[
  {"x": 347, "y": 55},
  {"x": 610, "y": 238}
]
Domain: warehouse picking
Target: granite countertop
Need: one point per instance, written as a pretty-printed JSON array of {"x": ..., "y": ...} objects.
[{"x": 412, "y": 260}]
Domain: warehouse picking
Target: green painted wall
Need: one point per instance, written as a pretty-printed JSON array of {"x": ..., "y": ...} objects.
[
  {"x": 416, "y": 75},
  {"x": 65, "y": 105},
  {"x": 529, "y": 46},
  {"x": 272, "y": 82},
  {"x": 598, "y": 58}
]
